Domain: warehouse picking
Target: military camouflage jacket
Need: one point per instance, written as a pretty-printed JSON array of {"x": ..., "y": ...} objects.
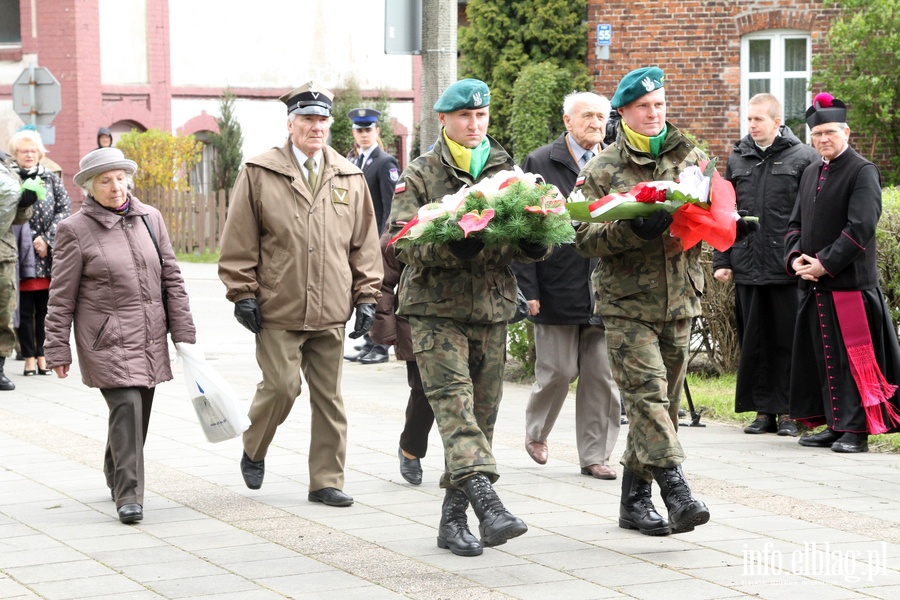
[
  {"x": 653, "y": 280},
  {"x": 435, "y": 283},
  {"x": 12, "y": 214}
]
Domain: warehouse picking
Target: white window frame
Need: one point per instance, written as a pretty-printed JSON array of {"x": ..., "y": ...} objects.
[{"x": 777, "y": 74}]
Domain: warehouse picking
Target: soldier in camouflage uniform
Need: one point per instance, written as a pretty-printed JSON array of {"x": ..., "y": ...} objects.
[
  {"x": 458, "y": 298},
  {"x": 15, "y": 209},
  {"x": 647, "y": 289}
]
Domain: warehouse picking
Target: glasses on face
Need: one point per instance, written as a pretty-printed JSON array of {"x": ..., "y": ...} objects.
[{"x": 824, "y": 133}]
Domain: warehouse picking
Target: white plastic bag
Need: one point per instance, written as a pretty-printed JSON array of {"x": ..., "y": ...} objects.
[{"x": 213, "y": 398}]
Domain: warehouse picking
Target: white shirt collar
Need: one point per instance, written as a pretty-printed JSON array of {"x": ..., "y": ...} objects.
[{"x": 301, "y": 158}]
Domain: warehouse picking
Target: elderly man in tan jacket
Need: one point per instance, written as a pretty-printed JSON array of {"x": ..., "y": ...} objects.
[{"x": 299, "y": 251}]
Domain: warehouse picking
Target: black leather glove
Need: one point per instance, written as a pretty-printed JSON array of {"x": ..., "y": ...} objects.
[
  {"x": 247, "y": 313},
  {"x": 365, "y": 316},
  {"x": 648, "y": 228},
  {"x": 532, "y": 250},
  {"x": 466, "y": 248},
  {"x": 745, "y": 227},
  {"x": 27, "y": 198}
]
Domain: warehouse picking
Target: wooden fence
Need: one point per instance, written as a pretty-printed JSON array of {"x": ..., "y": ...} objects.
[{"x": 194, "y": 221}]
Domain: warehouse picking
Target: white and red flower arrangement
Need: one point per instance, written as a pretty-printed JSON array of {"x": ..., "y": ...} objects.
[
  {"x": 502, "y": 209},
  {"x": 702, "y": 204}
]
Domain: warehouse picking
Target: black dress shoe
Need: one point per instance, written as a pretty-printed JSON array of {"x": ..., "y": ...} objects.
[
  {"x": 410, "y": 468},
  {"x": 5, "y": 384},
  {"x": 29, "y": 372},
  {"x": 852, "y": 443},
  {"x": 130, "y": 513},
  {"x": 355, "y": 356},
  {"x": 823, "y": 439},
  {"x": 787, "y": 426},
  {"x": 762, "y": 424},
  {"x": 374, "y": 357},
  {"x": 45, "y": 371},
  {"x": 253, "y": 471},
  {"x": 330, "y": 497}
]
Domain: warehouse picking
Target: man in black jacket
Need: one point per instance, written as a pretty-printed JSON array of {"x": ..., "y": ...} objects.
[
  {"x": 765, "y": 168},
  {"x": 569, "y": 339},
  {"x": 382, "y": 172}
]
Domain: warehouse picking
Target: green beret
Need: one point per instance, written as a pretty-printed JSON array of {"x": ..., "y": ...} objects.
[
  {"x": 636, "y": 84},
  {"x": 465, "y": 93}
]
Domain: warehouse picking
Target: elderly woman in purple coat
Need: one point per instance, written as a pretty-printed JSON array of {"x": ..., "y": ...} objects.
[{"x": 112, "y": 260}]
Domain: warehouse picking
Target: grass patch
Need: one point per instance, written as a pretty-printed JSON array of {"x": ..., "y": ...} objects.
[{"x": 205, "y": 258}]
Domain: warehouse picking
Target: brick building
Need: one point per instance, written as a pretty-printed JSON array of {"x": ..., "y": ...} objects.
[{"x": 716, "y": 54}]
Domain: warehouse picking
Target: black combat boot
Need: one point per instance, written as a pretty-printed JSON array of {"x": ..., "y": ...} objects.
[
  {"x": 453, "y": 532},
  {"x": 636, "y": 510},
  {"x": 496, "y": 523},
  {"x": 5, "y": 384},
  {"x": 685, "y": 512}
]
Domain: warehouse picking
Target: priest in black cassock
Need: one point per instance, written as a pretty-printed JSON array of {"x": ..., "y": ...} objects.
[{"x": 846, "y": 360}]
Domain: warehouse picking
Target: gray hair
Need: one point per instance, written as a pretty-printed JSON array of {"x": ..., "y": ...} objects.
[
  {"x": 26, "y": 134},
  {"x": 574, "y": 98},
  {"x": 88, "y": 185}
]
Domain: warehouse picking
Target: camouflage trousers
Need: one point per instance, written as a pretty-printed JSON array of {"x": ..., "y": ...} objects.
[
  {"x": 462, "y": 368},
  {"x": 9, "y": 300},
  {"x": 649, "y": 362}
]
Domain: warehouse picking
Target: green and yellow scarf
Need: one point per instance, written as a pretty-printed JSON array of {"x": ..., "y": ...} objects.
[
  {"x": 471, "y": 160},
  {"x": 651, "y": 145}
]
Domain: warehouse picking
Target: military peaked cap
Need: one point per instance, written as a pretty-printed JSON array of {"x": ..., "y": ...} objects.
[{"x": 308, "y": 99}]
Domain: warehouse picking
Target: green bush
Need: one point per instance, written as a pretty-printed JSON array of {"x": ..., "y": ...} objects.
[
  {"x": 538, "y": 95},
  {"x": 888, "y": 242},
  {"x": 520, "y": 344}
]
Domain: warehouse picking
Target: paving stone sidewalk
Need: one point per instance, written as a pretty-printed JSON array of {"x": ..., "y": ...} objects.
[{"x": 787, "y": 521}]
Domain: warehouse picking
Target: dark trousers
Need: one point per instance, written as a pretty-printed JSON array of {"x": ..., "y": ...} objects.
[
  {"x": 766, "y": 315},
  {"x": 129, "y": 420},
  {"x": 419, "y": 415},
  {"x": 32, "y": 313}
]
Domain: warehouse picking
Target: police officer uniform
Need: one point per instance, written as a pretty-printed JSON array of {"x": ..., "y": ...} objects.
[
  {"x": 382, "y": 172},
  {"x": 380, "y": 168}
]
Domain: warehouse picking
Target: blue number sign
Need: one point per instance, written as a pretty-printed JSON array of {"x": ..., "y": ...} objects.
[{"x": 604, "y": 35}]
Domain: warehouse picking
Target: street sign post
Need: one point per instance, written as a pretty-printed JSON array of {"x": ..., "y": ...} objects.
[{"x": 37, "y": 98}]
